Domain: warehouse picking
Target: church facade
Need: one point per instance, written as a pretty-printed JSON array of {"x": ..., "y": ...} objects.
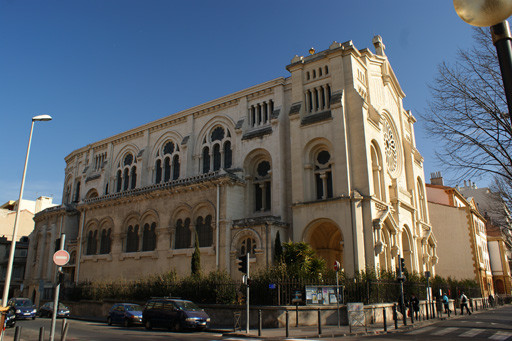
[{"x": 326, "y": 155}]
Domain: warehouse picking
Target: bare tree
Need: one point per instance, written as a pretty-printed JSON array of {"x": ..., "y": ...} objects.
[{"x": 468, "y": 113}]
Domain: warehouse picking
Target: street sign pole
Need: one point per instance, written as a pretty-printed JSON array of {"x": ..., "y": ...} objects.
[
  {"x": 247, "y": 286},
  {"x": 56, "y": 294},
  {"x": 337, "y": 267}
]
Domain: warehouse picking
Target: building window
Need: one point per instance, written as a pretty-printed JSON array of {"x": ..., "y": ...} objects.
[
  {"x": 149, "y": 237},
  {"x": 248, "y": 246},
  {"x": 167, "y": 162},
  {"x": 421, "y": 201},
  {"x": 92, "y": 242},
  {"x": 318, "y": 99},
  {"x": 204, "y": 231},
  {"x": 105, "y": 241},
  {"x": 323, "y": 175},
  {"x": 262, "y": 187},
  {"x": 377, "y": 173},
  {"x": 126, "y": 175},
  {"x": 261, "y": 113},
  {"x": 77, "y": 192},
  {"x": 216, "y": 151},
  {"x": 132, "y": 239},
  {"x": 182, "y": 239}
]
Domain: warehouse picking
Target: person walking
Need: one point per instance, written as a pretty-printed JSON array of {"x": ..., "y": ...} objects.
[
  {"x": 446, "y": 304},
  {"x": 464, "y": 303},
  {"x": 415, "y": 304}
]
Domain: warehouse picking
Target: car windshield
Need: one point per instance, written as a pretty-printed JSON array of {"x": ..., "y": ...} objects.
[
  {"x": 133, "y": 307},
  {"x": 23, "y": 303},
  {"x": 187, "y": 306}
]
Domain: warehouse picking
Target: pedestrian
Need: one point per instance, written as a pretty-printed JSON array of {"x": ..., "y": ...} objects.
[
  {"x": 464, "y": 303},
  {"x": 415, "y": 304},
  {"x": 491, "y": 300},
  {"x": 446, "y": 304}
]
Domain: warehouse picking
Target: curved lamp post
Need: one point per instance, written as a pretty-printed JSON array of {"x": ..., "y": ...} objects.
[
  {"x": 493, "y": 13},
  {"x": 16, "y": 220}
]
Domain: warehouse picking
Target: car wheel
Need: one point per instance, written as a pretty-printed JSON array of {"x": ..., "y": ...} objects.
[
  {"x": 148, "y": 325},
  {"x": 126, "y": 323},
  {"x": 109, "y": 321}
]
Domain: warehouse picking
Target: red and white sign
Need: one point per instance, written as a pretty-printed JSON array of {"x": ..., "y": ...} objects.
[
  {"x": 61, "y": 257},
  {"x": 337, "y": 266}
]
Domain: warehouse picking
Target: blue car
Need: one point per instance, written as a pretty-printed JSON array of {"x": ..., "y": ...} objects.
[
  {"x": 127, "y": 314},
  {"x": 23, "y": 308}
]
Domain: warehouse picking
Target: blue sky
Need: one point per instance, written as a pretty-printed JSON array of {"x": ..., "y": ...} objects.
[{"x": 100, "y": 67}]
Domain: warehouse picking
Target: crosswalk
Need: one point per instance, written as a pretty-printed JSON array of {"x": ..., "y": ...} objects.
[{"x": 463, "y": 332}]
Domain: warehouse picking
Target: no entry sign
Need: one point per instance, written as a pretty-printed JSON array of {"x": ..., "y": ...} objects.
[{"x": 61, "y": 257}]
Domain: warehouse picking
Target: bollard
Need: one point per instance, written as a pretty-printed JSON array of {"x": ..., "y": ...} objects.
[
  {"x": 319, "y": 324},
  {"x": 296, "y": 315},
  {"x": 41, "y": 334},
  {"x": 454, "y": 308},
  {"x": 287, "y": 324},
  {"x": 259, "y": 322},
  {"x": 64, "y": 332},
  {"x": 17, "y": 333},
  {"x": 384, "y": 318},
  {"x": 471, "y": 304},
  {"x": 64, "y": 322},
  {"x": 395, "y": 317},
  {"x": 433, "y": 310}
]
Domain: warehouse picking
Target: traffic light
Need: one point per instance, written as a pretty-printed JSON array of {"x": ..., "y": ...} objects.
[
  {"x": 242, "y": 266},
  {"x": 402, "y": 264}
]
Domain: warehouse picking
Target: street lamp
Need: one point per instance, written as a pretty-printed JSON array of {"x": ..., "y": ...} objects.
[
  {"x": 493, "y": 13},
  {"x": 16, "y": 220}
]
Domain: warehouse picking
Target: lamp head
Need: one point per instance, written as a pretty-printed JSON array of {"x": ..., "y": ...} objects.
[
  {"x": 42, "y": 118},
  {"x": 483, "y": 12}
]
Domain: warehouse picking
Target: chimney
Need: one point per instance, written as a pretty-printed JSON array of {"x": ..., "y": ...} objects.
[{"x": 436, "y": 179}]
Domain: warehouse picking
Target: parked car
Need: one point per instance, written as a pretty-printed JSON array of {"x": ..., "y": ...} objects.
[
  {"x": 47, "y": 310},
  {"x": 174, "y": 313},
  {"x": 126, "y": 314},
  {"x": 23, "y": 308}
]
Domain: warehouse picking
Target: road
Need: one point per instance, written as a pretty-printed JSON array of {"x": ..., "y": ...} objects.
[{"x": 94, "y": 331}]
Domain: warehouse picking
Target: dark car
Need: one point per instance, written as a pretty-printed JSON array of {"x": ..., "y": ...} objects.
[
  {"x": 175, "y": 314},
  {"x": 23, "y": 308},
  {"x": 126, "y": 314},
  {"x": 47, "y": 310}
]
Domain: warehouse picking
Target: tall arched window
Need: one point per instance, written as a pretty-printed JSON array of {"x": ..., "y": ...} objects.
[
  {"x": 262, "y": 186},
  {"x": 217, "y": 150},
  {"x": 132, "y": 239},
  {"x": 183, "y": 237},
  {"x": 77, "y": 192},
  {"x": 248, "y": 246},
  {"x": 149, "y": 237},
  {"x": 126, "y": 176},
  {"x": 323, "y": 175},
  {"x": 92, "y": 242},
  {"x": 377, "y": 173},
  {"x": 421, "y": 201},
  {"x": 105, "y": 241},
  {"x": 167, "y": 162},
  {"x": 204, "y": 231}
]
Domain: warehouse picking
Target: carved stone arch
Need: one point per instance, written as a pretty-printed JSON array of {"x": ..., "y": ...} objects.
[
  {"x": 129, "y": 148},
  {"x": 219, "y": 120},
  {"x": 254, "y": 157},
  {"x": 147, "y": 216},
  {"x": 163, "y": 139},
  {"x": 107, "y": 222},
  {"x": 241, "y": 235},
  {"x": 183, "y": 211},
  {"x": 91, "y": 227},
  {"x": 91, "y": 224},
  {"x": 326, "y": 237},
  {"x": 131, "y": 218},
  {"x": 408, "y": 253},
  {"x": 92, "y": 193},
  {"x": 314, "y": 146},
  {"x": 203, "y": 208}
]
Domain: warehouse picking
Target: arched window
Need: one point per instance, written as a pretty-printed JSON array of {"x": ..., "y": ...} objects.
[
  {"x": 204, "y": 231},
  {"x": 163, "y": 164},
  {"x": 216, "y": 150},
  {"x": 421, "y": 201},
  {"x": 77, "y": 192},
  {"x": 149, "y": 237},
  {"x": 92, "y": 242},
  {"x": 248, "y": 246},
  {"x": 262, "y": 186},
  {"x": 105, "y": 241},
  {"x": 323, "y": 175},
  {"x": 132, "y": 239},
  {"x": 183, "y": 237},
  {"x": 126, "y": 176},
  {"x": 67, "y": 194},
  {"x": 377, "y": 173}
]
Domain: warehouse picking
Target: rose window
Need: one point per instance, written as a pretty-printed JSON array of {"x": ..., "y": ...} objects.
[{"x": 390, "y": 147}]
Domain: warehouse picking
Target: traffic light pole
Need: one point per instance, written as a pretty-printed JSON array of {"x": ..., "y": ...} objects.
[
  {"x": 247, "y": 288},
  {"x": 402, "y": 299},
  {"x": 56, "y": 294}
]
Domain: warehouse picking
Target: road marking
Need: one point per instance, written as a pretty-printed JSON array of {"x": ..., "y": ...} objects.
[
  {"x": 445, "y": 331},
  {"x": 472, "y": 332},
  {"x": 421, "y": 330},
  {"x": 501, "y": 336}
]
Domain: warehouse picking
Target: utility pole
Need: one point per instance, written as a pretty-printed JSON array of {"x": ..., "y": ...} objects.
[
  {"x": 401, "y": 279},
  {"x": 247, "y": 286}
]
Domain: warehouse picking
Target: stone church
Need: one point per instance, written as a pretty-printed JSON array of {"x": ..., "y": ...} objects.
[{"x": 326, "y": 155}]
